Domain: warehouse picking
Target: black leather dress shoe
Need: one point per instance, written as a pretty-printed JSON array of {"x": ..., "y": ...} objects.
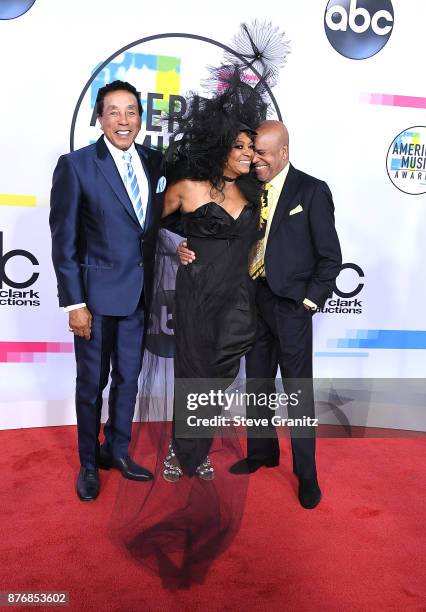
[
  {"x": 248, "y": 465},
  {"x": 88, "y": 484},
  {"x": 128, "y": 468},
  {"x": 309, "y": 493}
]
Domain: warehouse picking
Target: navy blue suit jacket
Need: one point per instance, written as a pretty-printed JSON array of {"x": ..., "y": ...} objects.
[
  {"x": 303, "y": 257},
  {"x": 100, "y": 254}
]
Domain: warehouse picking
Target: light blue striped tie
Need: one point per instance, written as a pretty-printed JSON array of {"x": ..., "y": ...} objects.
[{"x": 132, "y": 187}]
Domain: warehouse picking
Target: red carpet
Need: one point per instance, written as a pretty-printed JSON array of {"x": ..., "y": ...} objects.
[{"x": 362, "y": 549}]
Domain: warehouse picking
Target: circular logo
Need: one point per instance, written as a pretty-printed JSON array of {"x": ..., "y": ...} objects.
[
  {"x": 163, "y": 68},
  {"x": 10, "y": 9},
  {"x": 358, "y": 29},
  {"x": 406, "y": 160},
  {"x": 159, "y": 336},
  {"x": 352, "y": 285},
  {"x": 30, "y": 277}
]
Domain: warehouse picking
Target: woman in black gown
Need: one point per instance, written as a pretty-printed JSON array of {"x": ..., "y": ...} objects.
[
  {"x": 178, "y": 531},
  {"x": 214, "y": 317}
]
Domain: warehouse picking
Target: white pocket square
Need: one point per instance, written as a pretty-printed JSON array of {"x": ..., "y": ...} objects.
[
  {"x": 161, "y": 184},
  {"x": 296, "y": 210}
]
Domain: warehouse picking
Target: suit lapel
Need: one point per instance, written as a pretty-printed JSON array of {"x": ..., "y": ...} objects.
[
  {"x": 109, "y": 170},
  {"x": 285, "y": 200}
]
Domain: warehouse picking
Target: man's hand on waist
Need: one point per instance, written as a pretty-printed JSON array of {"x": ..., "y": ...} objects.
[
  {"x": 185, "y": 255},
  {"x": 309, "y": 305}
]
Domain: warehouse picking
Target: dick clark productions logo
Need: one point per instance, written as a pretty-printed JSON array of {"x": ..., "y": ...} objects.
[
  {"x": 11, "y": 293},
  {"x": 358, "y": 29}
]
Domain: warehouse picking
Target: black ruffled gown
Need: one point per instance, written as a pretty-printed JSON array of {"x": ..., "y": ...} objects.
[{"x": 214, "y": 318}]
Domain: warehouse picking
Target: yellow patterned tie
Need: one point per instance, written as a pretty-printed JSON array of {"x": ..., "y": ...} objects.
[{"x": 257, "y": 254}]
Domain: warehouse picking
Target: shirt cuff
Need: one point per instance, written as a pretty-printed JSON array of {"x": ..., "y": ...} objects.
[
  {"x": 73, "y": 307},
  {"x": 311, "y": 305}
]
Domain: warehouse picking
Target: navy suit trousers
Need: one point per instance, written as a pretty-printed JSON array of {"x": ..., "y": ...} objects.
[{"x": 115, "y": 346}]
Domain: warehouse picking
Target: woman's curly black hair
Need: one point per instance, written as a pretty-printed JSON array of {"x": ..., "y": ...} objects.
[{"x": 204, "y": 137}]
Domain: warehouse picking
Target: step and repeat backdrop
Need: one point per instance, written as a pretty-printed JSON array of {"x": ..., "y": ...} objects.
[{"x": 353, "y": 96}]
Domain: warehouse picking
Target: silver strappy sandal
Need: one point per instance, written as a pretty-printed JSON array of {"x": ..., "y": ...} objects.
[
  {"x": 172, "y": 471},
  {"x": 205, "y": 470}
]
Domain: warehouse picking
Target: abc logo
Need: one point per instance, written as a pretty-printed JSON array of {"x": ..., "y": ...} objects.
[
  {"x": 358, "y": 29},
  {"x": 159, "y": 337},
  {"x": 10, "y": 9}
]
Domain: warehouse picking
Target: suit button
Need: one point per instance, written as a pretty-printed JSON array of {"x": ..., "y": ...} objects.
[{"x": 140, "y": 264}]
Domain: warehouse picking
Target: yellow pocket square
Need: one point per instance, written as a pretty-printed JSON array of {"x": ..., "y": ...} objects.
[{"x": 296, "y": 210}]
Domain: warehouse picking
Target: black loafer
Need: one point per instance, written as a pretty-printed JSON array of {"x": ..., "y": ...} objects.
[
  {"x": 248, "y": 465},
  {"x": 128, "y": 468},
  {"x": 88, "y": 484},
  {"x": 309, "y": 493}
]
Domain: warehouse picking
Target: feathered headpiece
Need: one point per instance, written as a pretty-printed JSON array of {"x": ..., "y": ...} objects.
[
  {"x": 262, "y": 47},
  {"x": 203, "y": 139}
]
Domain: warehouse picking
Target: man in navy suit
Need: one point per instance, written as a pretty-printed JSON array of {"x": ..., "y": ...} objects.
[
  {"x": 104, "y": 219},
  {"x": 295, "y": 267}
]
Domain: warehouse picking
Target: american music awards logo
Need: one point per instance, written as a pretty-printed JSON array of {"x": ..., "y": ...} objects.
[
  {"x": 406, "y": 160},
  {"x": 163, "y": 68}
]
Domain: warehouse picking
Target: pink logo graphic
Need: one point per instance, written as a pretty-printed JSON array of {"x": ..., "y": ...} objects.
[
  {"x": 31, "y": 352},
  {"x": 391, "y": 100}
]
